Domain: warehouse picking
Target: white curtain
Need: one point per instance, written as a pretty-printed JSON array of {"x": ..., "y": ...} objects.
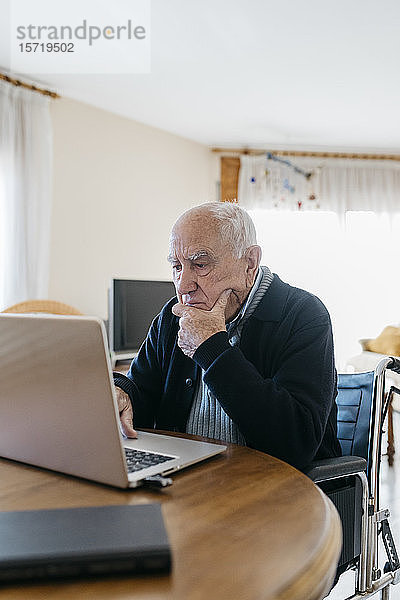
[
  {"x": 342, "y": 245},
  {"x": 334, "y": 184},
  {"x": 25, "y": 194}
]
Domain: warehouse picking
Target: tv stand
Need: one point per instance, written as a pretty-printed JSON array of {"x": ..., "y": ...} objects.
[{"x": 116, "y": 356}]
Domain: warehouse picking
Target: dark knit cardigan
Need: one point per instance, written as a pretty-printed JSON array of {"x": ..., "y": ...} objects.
[{"x": 278, "y": 386}]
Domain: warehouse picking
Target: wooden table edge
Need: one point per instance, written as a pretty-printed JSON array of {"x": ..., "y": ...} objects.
[{"x": 323, "y": 562}]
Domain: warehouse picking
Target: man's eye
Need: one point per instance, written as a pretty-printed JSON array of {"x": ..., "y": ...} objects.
[
  {"x": 176, "y": 267},
  {"x": 201, "y": 265}
]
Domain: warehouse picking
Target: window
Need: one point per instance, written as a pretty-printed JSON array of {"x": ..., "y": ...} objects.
[{"x": 349, "y": 262}]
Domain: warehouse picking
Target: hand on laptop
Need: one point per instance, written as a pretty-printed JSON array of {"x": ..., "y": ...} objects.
[{"x": 125, "y": 413}]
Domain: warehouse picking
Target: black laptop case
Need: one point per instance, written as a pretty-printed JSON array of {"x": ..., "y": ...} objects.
[{"x": 83, "y": 542}]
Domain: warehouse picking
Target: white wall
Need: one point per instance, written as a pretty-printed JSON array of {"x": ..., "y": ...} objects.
[{"x": 118, "y": 186}]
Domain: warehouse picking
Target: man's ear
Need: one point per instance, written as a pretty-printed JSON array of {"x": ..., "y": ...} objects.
[{"x": 253, "y": 258}]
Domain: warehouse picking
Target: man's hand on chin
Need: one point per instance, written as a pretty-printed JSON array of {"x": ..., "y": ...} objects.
[{"x": 197, "y": 325}]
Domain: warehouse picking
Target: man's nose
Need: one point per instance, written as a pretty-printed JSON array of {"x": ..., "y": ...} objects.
[{"x": 186, "y": 282}]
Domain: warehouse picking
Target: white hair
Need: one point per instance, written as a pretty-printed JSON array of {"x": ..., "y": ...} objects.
[{"x": 235, "y": 224}]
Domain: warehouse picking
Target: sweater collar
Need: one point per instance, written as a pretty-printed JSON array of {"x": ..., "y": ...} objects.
[
  {"x": 248, "y": 300},
  {"x": 272, "y": 304}
]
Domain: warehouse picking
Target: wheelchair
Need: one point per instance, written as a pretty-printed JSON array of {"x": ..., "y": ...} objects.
[{"x": 352, "y": 480}]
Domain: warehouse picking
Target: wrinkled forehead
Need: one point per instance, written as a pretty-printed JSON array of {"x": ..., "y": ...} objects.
[{"x": 196, "y": 234}]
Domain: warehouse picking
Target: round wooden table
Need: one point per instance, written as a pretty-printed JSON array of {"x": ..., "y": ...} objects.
[{"x": 242, "y": 526}]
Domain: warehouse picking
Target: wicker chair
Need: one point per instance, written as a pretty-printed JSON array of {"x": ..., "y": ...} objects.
[{"x": 43, "y": 306}]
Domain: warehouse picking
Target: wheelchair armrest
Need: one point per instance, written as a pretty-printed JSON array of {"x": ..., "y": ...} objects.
[{"x": 333, "y": 468}]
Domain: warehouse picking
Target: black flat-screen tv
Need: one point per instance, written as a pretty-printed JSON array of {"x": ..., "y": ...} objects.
[{"x": 132, "y": 306}]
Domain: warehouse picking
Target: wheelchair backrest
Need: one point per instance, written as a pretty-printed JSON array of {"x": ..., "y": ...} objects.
[{"x": 354, "y": 401}]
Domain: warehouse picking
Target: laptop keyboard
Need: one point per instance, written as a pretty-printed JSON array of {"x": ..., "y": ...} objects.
[{"x": 137, "y": 460}]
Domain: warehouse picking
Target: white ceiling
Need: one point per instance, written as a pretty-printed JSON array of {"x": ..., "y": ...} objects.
[{"x": 267, "y": 73}]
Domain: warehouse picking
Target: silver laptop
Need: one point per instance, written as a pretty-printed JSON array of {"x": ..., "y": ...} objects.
[{"x": 58, "y": 408}]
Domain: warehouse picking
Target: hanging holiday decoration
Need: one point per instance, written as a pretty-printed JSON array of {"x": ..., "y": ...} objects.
[
  {"x": 296, "y": 169},
  {"x": 277, "y": 183},
  {"x": 289, "y": 186}
]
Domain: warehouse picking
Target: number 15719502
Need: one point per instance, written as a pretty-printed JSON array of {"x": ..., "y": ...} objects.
[{"x": 46, "y": 47}]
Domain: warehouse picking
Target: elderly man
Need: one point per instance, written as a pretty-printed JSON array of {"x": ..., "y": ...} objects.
[{"x": 238, "y": 355}]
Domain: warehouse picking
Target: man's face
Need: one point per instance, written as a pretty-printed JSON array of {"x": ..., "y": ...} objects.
[{"x": 203, "y": 266}]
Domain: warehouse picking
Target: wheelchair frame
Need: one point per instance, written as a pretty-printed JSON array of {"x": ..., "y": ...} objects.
[{"x": 370, "y": 577}]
